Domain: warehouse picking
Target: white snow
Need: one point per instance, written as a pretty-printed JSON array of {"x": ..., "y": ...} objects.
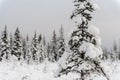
[
  {"x": 91, "y": 50},
  {"x": 95, "y": 6},
  {"x": 47, "y": 71},
  {"x": 62, "y": 60},
  {"x": 17, "y": 71},
  {"x": 96, "y": 33},
  {"x": 75, "y": 39},
  {"x": 94, "y": 30}
]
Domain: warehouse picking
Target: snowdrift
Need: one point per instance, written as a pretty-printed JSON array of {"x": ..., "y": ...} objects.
[{"x": 44, "y": 71}]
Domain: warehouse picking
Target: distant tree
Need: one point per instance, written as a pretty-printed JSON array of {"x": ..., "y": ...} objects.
[
  {"x": 5, "y": 46},
  {"x": 61, "y": 43},
  {"x": 115, "y": 46},
  {"x": 11, "y": 43},
  {"x": 49, "y": 52},
  {"x": 42, "y": 49},
  {"x": 34, "y": 47},
  {"x": 39, "y": 38},
  {"x": 17, "y": 45},
  {"x": 42, "y": 52},
  {"x": 54, "y": 50},
  {"x": 38, "y": 51},
  {"x": 105, "y": 54},
  {"x": 24, "y": 49},
  {"x": 115, "y": 53},
  {"x": 44, "y": 41},
  {"x": 119, "y": 50},
  {"x": 28, "y": 50}
]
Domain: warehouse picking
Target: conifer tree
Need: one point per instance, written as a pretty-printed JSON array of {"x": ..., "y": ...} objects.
[
  {"x": 119, "y": 49},
  {"x": 5, "y": 47},
  {"x": 38, "y": 51},
  {"x": 24, "y": 49},
  {"x": 28, "y": 50},
  {"x": 115, "y": 53},
  {"x": 17, "y": 45},
  {"x": 44, "y": 41},
  {"x": 105, "y": 54},
  {"x": 11, "y": 43},
  {"x": 48, "y": 52},
  {"x": 61, "y": 43},
  {"x": 42, "y": 53},
  {"x": 85, "y": 45},
  {"x": 34, "y": 48},
  {"x": 54, "y": 52},
  {"x": 39, "y": 38}
]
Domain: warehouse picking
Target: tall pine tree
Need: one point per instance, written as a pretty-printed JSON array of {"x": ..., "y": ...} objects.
[
  {"x": 28, "y": 50},
  {"x": 34, "y": 48},
  {"x": 24, "y": 49},
  {"x": 54, "y": 50},
  {"x": 48, "y": 52},
  {"x": 61, "y": 43},
  {"x": 40, "y": 38},
  {"x": 44, "y": 41},
  {"x": 17, "y": 45},
  {"x": 11, "y": 43},
  {"x": 85, "y": 45},
  {"x": 5, "y": 47},
  {"x": 38, "y": 52}
]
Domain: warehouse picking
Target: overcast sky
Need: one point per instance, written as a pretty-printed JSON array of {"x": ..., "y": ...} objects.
[{"x": 46, "y": 15}]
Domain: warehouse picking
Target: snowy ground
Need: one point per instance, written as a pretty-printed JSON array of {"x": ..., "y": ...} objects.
[
  {"x": 115, "y": 67},
  {"x": 44, "y": 71}
]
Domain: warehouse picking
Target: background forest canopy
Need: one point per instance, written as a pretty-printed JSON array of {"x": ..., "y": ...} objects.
[
  {"x": 38, "y": 44},
  {"x": 35, "y": 48}
]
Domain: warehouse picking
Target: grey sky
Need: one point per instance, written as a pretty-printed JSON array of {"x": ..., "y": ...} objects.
[{"x": 47, "y": 15}]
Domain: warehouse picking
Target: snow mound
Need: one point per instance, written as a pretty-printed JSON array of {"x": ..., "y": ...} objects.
[
  {"x": 91, "y": 50},
  {"x": 96, "y": 33}
]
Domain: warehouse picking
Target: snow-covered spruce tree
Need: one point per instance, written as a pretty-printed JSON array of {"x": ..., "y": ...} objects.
[
  {"x": 42, "y": 51},
  {"x": 28, "y": 50},
  {"x": 17, "y": 45},
  {"x": 42, "y": 48},
  {"x": 34, "y": 47},
  {"x": 11, "y": 42},
  {"x": 24, "y": 49},
  {"x": 119, "y": 49},
  {"x": 105, "y": 54},
  {"x": 39, "y": 38},
  {"x": 44, "y": 41},
  {"x": 48, "y": 52},
  {"x": 37, "y": 49},
  {"x": 115, "y": 53},
  {"x": 54, "y": 50},
  {"x": 5, "y": 47},
  {"x": 61, "y": 43},
  {"x": 85, "y": 45}
]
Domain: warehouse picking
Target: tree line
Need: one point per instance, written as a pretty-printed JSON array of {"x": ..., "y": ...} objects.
[
  {"x": 113, "y": 54},
  {"x": 37, "y": 49},
  {"x": 16, "y": 47}
]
